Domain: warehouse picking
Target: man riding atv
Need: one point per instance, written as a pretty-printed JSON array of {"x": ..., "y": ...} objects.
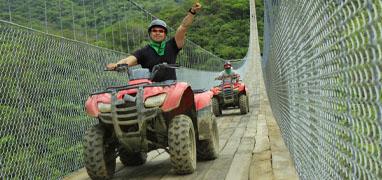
[
  {"x": 151, "y": 112},
  {"x": 228, "y": 73},
  {"x": 161, "y": 50},
  {"x": 230, "y": 93}
]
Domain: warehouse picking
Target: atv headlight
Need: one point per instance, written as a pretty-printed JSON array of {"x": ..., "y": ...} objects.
[
  {"x": 155, "y": 101},
  {"x": 104, "y": 108}
]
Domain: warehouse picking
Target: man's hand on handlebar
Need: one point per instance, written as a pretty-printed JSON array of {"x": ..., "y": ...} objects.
[
  {"x": 117, "y": 67},
  {"x": 111, "y": 66}
]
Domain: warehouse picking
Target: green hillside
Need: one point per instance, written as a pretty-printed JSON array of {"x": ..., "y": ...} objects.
[{"x": 222, "y": 26}]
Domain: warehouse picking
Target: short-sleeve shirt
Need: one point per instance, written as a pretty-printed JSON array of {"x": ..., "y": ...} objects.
[
  {"x": 148, "y": 58},
  {"x": 224, "y": 75}
]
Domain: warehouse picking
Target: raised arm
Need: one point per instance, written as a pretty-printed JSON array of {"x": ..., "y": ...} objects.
[
  {"x": 180, "y": 34},
  {"x": 130, "y": 60}
]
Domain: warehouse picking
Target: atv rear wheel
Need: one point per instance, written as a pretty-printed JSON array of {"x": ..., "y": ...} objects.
[
  {"x": 133, "y": 159},
  {"x": 216, "y": 109},
  {"x": 99, "y": 154},
  {"x": 182, "y": 144},
  {"x": 243, "y": 104},
  {"x": 209, "y": 149}
]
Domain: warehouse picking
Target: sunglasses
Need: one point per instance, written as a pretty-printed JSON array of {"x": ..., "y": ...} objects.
[{"x": 157, "y": 30}]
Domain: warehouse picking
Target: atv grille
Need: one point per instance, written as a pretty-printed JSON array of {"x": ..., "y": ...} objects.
[
  {"x": 129, "y": 111},
  {"x": 125, "y": 111},
  {"x": 228, "y": 93}
]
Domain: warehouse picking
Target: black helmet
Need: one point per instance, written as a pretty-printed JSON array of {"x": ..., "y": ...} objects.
[
  {"x": 158, "y": 23},
  {"x": 227, "y": 65}
]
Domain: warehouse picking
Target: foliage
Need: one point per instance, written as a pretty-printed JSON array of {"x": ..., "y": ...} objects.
[
  {"x": 260, "y": 21},
  {"x": 222, "y": 26}
]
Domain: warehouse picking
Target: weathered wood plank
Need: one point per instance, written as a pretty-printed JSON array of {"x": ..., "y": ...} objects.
[
  {"x": 241, "y": 163},
  {"x": 261, "y": 169},
  {"x": 219, "y": 168},
  {"x": 239, "y": 169},
  {"x": 152, "y": 170}
]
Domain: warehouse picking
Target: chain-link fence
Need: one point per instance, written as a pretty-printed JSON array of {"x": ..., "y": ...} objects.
[
  {"x": 52, "y": 57},
  {"x": 43, "y": 84},
  {"x": 323, "y": 63},
  {"x": 117, "y": 25}
]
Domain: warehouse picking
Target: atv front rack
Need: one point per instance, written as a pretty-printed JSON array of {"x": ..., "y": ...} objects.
[
  {"x": 129, "y": 117},
  {"x": 125, "y": 87}
]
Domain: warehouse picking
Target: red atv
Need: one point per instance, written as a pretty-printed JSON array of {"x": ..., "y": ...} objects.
[
  {"x": 145, "y": 115},
  {"x": 230, "y": 93}
]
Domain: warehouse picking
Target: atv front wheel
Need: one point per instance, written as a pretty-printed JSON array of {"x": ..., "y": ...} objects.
[
  {"x": 243, "y": 104},
  {"x": 209, "y": 149},
  {"x": 99, "y": 154},
  {"x": 182, "y": 144},
  {"x": 215, "y": 107},
  {"x": 134, "y": 159}
]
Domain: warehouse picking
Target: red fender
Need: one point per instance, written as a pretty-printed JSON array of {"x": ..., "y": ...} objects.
[
  {"x": 215, "y": 90},
  {"x": 174, "y": 96},
  {"x": 139, "y": 81},
  {"x": 242, "y": 88},
  {"x": 203, "y": 99},
  {"x": 120, "y": 94},
  {"x": 92, "y": 102},
  {"x": 148, "y": 92}
]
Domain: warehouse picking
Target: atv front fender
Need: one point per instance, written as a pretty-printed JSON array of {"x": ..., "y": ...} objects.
[
  {"x": 91, "y": 104},
  {"x": 174, "y": 96},
  {"x": 242, "y": 89},
  {"x": 203, "y": 100},
  {"x": 215, "y": 90}
]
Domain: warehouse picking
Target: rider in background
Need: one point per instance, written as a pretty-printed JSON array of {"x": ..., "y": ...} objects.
[
  {"x": 228, "y": 72},
  {"x": 160, "y": 49}
]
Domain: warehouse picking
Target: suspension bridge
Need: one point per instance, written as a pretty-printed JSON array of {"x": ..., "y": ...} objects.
[{"x": 315, "y": 94}]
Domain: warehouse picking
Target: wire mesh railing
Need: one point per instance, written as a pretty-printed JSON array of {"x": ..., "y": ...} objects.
[
  {"x": 322, "y": 63},
  {"x": 44, "y": 82},
  {"x": 116, "y": 25},
  {"x": 52, "y": 57}
]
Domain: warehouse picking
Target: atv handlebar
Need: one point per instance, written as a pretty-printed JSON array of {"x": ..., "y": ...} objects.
[
  {"x": 119, "y": 68},
  {"x": 122, "y": 68},
  {"x": 235, "y": 77},
  {"x": 165, "y": 65},
  {"x": 125, "y": 67},
  {"x": 157, "y": 71}
]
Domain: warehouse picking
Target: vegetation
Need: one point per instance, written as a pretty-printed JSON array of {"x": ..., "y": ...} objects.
[
  {"x": 222, "y": 27},
  {"x": 260, "y": 21}
]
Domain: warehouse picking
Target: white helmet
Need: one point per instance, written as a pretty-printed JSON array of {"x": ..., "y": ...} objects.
[{"x": 158, "y": 23}]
